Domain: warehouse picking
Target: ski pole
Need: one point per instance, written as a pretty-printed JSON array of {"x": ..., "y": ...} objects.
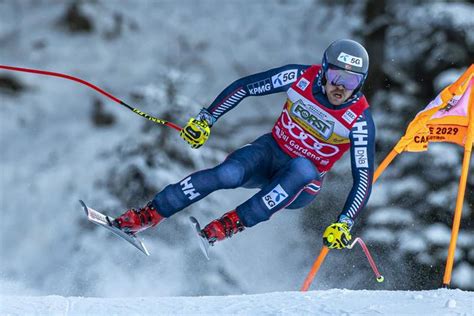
[
  {"x": 322, "y": 255},
  {"x": 379, "y": 277},
  {"x": 90, "y": 85},
  {"x": 314, "y": 269}
]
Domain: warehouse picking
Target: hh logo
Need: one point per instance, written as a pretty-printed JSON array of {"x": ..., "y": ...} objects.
[
  {"x": 188, "y": 189},
  {"x": 275, "y": 197}
]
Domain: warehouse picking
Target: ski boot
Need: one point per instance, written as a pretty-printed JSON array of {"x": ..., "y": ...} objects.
[
  {"x": 134, "y": 221},
  {"x": 224, "y": 227}
]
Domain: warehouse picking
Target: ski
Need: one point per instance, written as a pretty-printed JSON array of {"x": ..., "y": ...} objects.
[
  {"x": 203, "y": 243},
  {"x": 106, "y": 221}
]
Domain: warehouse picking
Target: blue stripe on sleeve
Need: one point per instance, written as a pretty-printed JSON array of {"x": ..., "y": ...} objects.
[
  {"x": 362, "y": 153},
  {"x": 271, "y": 81}
]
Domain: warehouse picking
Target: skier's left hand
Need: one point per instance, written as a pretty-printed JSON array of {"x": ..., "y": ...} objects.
[
  {"x": 198, "y": 129},
  {"x": 337, "y": 236},
  {"x": 196, "y": 132}
]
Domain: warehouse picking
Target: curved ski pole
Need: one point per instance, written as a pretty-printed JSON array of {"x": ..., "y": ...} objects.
[
  {"x": 314, "y": 269},
  {"x": 90, "y": 85},
  {"x": 379, "y": 277}
]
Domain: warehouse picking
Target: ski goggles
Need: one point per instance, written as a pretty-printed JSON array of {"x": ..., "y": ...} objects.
[{"x": 339, "y": 77}]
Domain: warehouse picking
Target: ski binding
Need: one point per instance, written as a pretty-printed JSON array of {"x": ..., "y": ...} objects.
[{"x": 106, "y": 221}]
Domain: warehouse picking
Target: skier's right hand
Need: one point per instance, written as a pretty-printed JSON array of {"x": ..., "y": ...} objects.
[
  {"x": 196, "y": 132},
  {"x": 337, "y": 236}
]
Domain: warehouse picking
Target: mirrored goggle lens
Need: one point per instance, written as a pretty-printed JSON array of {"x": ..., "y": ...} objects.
[{"x": 349, "y": 80}]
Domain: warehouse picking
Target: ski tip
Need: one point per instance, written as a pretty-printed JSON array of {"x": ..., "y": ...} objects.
[
  {"x": 84, "y": 206},
  {"x": 194, "y": 221},
  {"x": 203, "y": 244},
  {"x": 106, "y": 221}
]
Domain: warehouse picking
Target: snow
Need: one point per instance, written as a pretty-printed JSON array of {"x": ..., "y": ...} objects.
[
  {"x": 52, "y": 155},
  {"x": 463, "y": 275},
  {"x": 412, "y": 242},
  {"x": 443, "y": 156},
  {"x": 438, "y": 234},
  {"x": 391, "y": 216},
  {"x": 447, "y": 77},
  {"x": 459, "y": 14},
  {"x": 379, "y": 235},
  {"x": 409, "y": 185},
  {"x": 445, "y": 196},
  {"x": 330, "y": 302},
  {"x": 466, "y": 239}
]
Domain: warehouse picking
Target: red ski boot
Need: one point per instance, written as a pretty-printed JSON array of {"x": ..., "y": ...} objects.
[
  {"x": 134, "y": 221},
  {"x": 223, "y": 227}
]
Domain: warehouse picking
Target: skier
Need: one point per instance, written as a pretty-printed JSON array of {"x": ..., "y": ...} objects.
[{"x": 325, "y": 114}]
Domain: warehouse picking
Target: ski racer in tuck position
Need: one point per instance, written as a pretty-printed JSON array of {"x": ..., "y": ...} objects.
[{"x": 325, "y": 114}]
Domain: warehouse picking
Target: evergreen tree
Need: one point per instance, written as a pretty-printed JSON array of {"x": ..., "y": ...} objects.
[{"x": 416, "y": 49}]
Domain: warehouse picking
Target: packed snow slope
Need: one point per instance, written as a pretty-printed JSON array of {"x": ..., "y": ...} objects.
[
  {"x": 170, "y": 58},
  {"x": 330, "y": 302},
  {"x": 53, "y": 154}
]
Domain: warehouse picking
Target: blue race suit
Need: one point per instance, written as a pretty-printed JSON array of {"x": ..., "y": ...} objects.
[{"x": 284, "y": 181}]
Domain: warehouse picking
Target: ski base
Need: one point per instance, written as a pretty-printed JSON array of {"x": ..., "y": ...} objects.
[
  {"x": 106, "y": 221},
  {"x": 203, "y": 243}
]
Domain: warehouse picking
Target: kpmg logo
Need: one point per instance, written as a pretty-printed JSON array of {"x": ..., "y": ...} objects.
[
  {"x": 259, "y": 87},
  {"x": 324, "y": 127},
  {"x": 284, "y": 78},
  {"x": 275, "y": 197}
]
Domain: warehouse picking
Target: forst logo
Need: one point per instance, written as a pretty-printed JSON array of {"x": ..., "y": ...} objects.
[{"x": 323, "y": 127}]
